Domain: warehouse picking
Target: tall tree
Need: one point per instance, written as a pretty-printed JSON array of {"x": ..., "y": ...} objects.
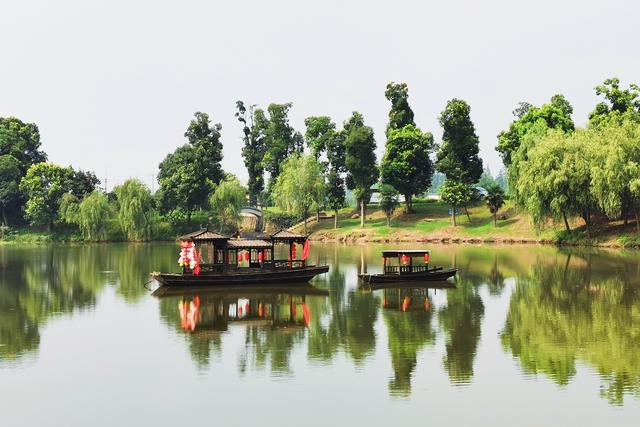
[
  {"x": 401, "y": 113},
  {"x": 227, "y": 200},
  {"x": 44, "y": 184},
  {"x": 458, "y": 154},
  {"x": 281, "y": 140},
  {"x": 10, "y": 197},
  {"x": 406, "y": 164},
  {"x": 135, "y": 209},
  {"x": 456, "y": 194},
  {"x": 388, "y": 201},
  {"x": 554, "y": 115},
  {"x": 495, "y": 200},
  {"x": 187, "y": 176},
  {"x": 360, "y": 160},
  {"x": 320, "y": 131},
  {"x": 254, "y": 125},
  {"x": 300, "y": 186},
  {"x": 19, "y": 149}
]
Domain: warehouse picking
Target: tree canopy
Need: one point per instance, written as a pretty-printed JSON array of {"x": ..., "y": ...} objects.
[
  {"x": 92, "y": 216},
  {"x": 135, "y": 209},
  {"x": 401, "y": 113},
  {"x": 227, "y": 200},
  {"x": 254, "y": 127},
  {"x": 44, "y": 184}
]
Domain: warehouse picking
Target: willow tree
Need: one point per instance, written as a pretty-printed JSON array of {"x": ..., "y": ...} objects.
[
  {"x": 227, "y": 200},
  {"x": 300, "y": 188},
  {"x": 93, "y": 215},
  {"x": 135, "y": 209}
]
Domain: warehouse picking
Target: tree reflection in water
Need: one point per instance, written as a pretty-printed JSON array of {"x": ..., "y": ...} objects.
[{"x": 579, "y": 308}]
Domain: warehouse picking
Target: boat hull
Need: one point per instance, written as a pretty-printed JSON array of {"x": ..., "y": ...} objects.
[
  {"x": 298, "y": 275},
  {"x": 435, "y": 275}
]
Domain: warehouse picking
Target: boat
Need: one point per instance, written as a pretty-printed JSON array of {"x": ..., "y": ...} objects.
[
  {"x": 209, "y": 258},
  {"x": 406, "y": 269}
]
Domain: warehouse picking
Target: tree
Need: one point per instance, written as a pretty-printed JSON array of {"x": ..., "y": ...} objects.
[
  {"x": 400, "y": 114},
  {"x": 188, "y": 175},
  {"x": 336, "y": 196},
  {"x": 300, "y": 186},
  {"x": 455, "y": 194},
  {"x": 406, "y": 164},
  {"x": 319, "y": 134},
  {"x": 93, "y": 215},
  {"x": 555, "y": 180},
  {"x": 83, "y": 183},
  {"x": 554, "y": 115},
  {"x": 281, "y": 140},
  {"x": 360, "y": 160},
  {"x": 69, "y": 210},
  {"x": 19, "y": 149},
  {"x": 617, "y": 101},
  {"x": 388, "y": 201},
  {"x": 495, "y": 200},
  {"x": 458, "y": 154},
  {"x": 227, "y": 200},
  {"x": 616, "y": 168},
  {"x": 254, "y": 126},
  {"x": 10, "y": 175},
  {"x": 43, "y": 185},
  {"x": 135, "y": 209}
]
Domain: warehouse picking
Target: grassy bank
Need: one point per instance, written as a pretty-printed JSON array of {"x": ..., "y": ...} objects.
[{"x": 432, "y": 222}]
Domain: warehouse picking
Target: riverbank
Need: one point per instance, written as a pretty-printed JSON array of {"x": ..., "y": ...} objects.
[{"x": 431, "y": 222}]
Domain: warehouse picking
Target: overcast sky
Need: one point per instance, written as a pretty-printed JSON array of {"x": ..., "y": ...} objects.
[{"x": 113, "y": 84}]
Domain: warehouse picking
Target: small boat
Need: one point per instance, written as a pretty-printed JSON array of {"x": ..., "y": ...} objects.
[
  {"x": 212, "y": 259},
  {"x": 406, "y": 270}
]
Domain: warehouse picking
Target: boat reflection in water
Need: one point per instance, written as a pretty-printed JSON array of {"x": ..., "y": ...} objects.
[{"x": 206, "y": 309}]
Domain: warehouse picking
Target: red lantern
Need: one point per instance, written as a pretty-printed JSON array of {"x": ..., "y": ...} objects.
[
  {"x": 239, "y": 257},
  {"x": 247, "y": 255},
  {"x": 405, "y": 259},
  {"x": 259, "y": 256},
  {"x": 426, "y": 257}
]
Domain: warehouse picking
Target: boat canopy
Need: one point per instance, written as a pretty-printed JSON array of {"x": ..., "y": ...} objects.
[
  {"x": 391, "y": 253},
  {"x": 248, "y": 244},
  {"x": 203, "y": 235},
  {"x": 287, "y": 236}
]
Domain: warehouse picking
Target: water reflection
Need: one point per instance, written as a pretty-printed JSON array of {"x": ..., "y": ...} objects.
[{"x": 559, "y": 313}]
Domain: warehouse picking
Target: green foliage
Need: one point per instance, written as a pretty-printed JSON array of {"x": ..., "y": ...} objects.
[
  {"x": 93, "y": 215},
  {"x": 44, "y": 184},
  {"x": 388, "y": 201},
  {"x": 617, "y": 101},
  {"x": 486, "y": 179},
  {"x": 254, "y": 126},
  {"x": 319, "y": 134},
  {"x": 554, "y": 115},
  {"x": 187, "y": 176},
  {"x": 10, "y": 176},
  {"x": 400, "y": 114},
  {"x": 495, "y": 199},
  {"x": 281, "y": 219},
  {"x": 555, "y": 180},
  {"x": 335, "y": 197},
  {"x": 83, "y": 183},
  {"x": 456, "y": 194},
  {"x": 135, "y": 209},
  {"x": 281, "y": 140},
  {"x": 300, "y": 186},
  {"x": 69, "y": 210},
  {"x": 227, "y": 200},
  {"x": 406, "y": 164},
  {"x": 458, "y": 154}
]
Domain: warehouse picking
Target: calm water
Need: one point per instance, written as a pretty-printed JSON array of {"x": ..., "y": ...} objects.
[{"x": 530, "y": 335}]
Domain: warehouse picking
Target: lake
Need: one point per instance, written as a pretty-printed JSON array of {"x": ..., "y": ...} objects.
[{"x": 530, "y": 335}]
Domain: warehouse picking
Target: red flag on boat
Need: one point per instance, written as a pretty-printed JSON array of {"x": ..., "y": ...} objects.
[{"x": 305, "y": 250}]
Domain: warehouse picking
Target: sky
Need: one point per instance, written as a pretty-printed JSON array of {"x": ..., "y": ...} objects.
[{"x": 113, "y": 84}]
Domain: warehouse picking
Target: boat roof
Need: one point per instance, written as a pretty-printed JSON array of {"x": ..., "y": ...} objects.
[
  {"x": 203, "y": 234},
  {"x": 408, "y": 252},
  {"x": 248, "y": 244},
  {"x": 288, "y": 235}
]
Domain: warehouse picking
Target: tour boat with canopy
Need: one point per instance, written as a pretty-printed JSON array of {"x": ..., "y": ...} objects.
[
  {"x": 406, "y": 269},
  {"x": 210, "y": 258}
]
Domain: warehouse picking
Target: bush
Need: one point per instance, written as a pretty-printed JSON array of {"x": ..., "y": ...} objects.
[{"x": 280, "y": 219}]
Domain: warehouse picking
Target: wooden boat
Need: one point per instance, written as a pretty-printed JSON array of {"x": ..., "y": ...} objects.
[
  {"x": 236, "y": 261},
  {"x": 406, "y": 270}
]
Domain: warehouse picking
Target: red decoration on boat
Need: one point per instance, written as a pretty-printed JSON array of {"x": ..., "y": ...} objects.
[
  {"x": 305, "y": 250},
  {"x": 426, "y": 257},
  {"x": 259, "y": 256},
  {"x": 293, "y": 251},
  {"x": 247, "y": 255},
  {"x": 239, "y": 257},
  {"x": 405, "y": 259}
]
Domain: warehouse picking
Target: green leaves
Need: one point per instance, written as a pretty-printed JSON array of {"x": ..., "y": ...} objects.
[
  {"x": 94, "y": 212},
  {"x": 135, "y": 209},
  {"x": 300, "y": 186},
  {"x": 227, "y": 200},
  {"x": 44, "y": 185}
]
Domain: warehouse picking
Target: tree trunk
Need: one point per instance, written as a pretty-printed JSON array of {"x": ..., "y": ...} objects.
[
  {"x": 566, "y": 223},
  {"x": 453, "y": 215},
  {"x": 305, "y": 223},
  {"x": 335, "y": 219},
  {"x": 388, "y": 220},
  {"x": 362, "y": 213},
  {"x": 495, "y": 220},
  {"x": 407, "y": 203},
  {"x": 318, "y": 215},
  {"x": 587, "y": 220},
  {"x": 635, "y": 211},
  {"x": 467, "y": 212}
]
